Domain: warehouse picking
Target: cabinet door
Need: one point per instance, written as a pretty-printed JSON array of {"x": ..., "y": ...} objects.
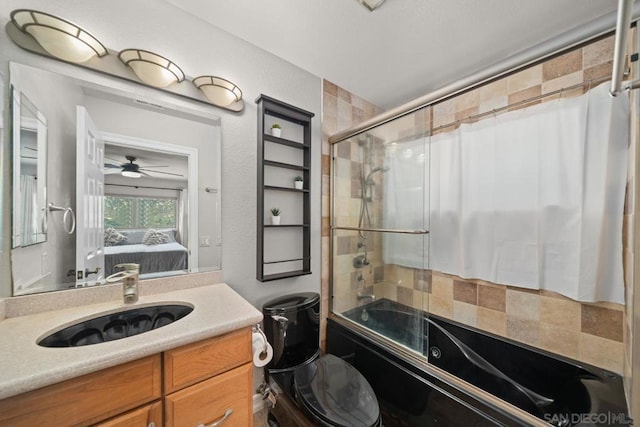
[
  {"x": 195, "y": 362},
  {"x": 208, "y": 401},
  {"x": 146, "y": 416},
  {"x": 87, "y": 399}
]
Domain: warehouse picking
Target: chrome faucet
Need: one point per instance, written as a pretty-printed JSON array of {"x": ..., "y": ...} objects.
[{"x": 360, "y": 296}]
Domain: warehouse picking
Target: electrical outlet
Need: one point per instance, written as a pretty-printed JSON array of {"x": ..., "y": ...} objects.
[{"x": 205, "y": 241}]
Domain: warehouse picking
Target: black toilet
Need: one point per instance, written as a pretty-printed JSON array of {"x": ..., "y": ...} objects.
[{"x": 329, "y": 390}]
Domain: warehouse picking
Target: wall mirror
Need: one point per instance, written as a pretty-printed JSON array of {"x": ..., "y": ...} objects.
[
  {"x": 29, "y": 171},
  {"x": 133, "y": 176}
]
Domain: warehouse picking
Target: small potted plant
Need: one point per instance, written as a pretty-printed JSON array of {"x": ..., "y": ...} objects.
[
  {"x": 276, "y": 130},
  {"x": 275, "y": 216},
  {"x": 298, "y": 182}
]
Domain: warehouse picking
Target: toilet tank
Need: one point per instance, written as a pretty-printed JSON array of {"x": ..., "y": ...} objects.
[{"x": 292, "y": 326}]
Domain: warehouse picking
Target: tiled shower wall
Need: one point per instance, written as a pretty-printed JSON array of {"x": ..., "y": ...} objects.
[
  {"x": 340, "y": 110},
  {"x": 593, "y": 333}
]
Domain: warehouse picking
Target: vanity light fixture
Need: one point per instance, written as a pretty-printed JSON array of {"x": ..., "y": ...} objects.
[
  {"x": 371, "y": 5},
  {"x": 59, "y": 37},
  {"x": 218, "y": 90},
  {"x": 151, "y": 68}
]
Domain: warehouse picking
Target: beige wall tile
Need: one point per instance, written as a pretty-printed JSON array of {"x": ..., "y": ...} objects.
[
  {"x": 563, "y": 82},
  {"x": 524, "y": 95},
  {"x": 496, "y": 89},
  {"x": 467, "y": 100},
  {"x": 524, "y": 79},
  {"x": 405, "y": 296},
  {"x": 562, "y": 65},
  {"x": 492, "y": 321},
  {"x": 420, "y": 300},
  {"x": 492, "y": 297},
  {"x": 441, "y": 306},
  {"x": 562, "y": 313},
  {"x": 444, "y": 112},
  {"x": 465, "y": 292},
  {"x": 598, "y": 52},
  {"x": 442, "y": 286},
  {"x": 601, "y": 352},
  {"x": 602, "y": 322},
  {"x": 598, "y": 71},
  {"x": 523, "y": 330},
  {"x": 468, "y": 115},
  {"x": 465, "y": 313},
  {"x": 493, "y": 104},
  {"x": 344, "y": 95},
  {"x": 559, "y": 340},
  {"x": 523, "y": 305},
  {"x": 329, "y": 88}
]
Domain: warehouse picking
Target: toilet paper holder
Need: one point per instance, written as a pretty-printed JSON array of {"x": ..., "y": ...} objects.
[
  {"x": 258, "y": 329},
  {"x": 260, "y": 347}
]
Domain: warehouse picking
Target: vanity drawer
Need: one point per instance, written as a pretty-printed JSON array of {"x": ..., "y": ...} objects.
[
  {"x": 195, "y": 362},
  {"x": 207, "y": 402},
  {"x": 87, "y": 399},
  {"x": 141, "y": 417}
]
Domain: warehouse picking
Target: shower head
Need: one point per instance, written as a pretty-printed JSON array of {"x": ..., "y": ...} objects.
[{"x": 374, "y": 170}]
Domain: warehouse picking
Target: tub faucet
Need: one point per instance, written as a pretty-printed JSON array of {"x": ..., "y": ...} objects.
[{"x": 360, "y": 296}]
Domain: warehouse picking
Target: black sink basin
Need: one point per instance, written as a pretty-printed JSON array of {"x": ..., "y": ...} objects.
[{"x": 116, "y": 325}]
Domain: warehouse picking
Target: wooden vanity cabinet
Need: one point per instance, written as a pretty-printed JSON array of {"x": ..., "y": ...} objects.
[
  {"x": 87, "y": 399},
  {"x": 206, "y": 379},
  {"x": 198, "y": 384}
]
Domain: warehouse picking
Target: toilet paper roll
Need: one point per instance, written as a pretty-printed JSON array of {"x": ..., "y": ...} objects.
[
  {"x": 262, "y": 350},
  {"x": 262, "y": 357}
]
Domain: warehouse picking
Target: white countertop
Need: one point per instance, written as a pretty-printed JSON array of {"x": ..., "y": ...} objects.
[{"x": 26, "y": 366}]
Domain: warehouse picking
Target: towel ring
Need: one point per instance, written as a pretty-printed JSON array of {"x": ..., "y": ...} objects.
[{"x": 68, "y": 212}]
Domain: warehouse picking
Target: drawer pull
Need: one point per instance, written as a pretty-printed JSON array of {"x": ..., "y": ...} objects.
[{"x": 226, "y": 415}]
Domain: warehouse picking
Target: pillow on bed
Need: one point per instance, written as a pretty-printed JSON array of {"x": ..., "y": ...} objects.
[
  {"x": 154, "y": 237},
  {"x": 113, "y": 237}
]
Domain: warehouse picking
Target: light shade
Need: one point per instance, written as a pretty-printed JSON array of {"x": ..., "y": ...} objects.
[
  {"x": 59, "y": 37},
  {"x": 218, "y": 90},
  {"x": 151, "y": 68},
  {"x": 131, "y": 174},
  {"x": 371, "y": 4}
]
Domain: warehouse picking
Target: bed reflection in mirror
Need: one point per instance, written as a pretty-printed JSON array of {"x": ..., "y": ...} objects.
[{"x": 131, "y": 166}]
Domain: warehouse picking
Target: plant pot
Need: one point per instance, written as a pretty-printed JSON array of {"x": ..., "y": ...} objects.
[
  {"x": 298, "y": 185},
  {"x": 276, "y": 132},
  {"x": 275, "y": 220}
]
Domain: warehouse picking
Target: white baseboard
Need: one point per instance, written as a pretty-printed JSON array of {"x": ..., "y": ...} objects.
[{"x": 258, "y": 403}]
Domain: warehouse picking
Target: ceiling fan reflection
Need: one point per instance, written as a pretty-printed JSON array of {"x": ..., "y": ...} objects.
[{"x": 134, "y": 170}]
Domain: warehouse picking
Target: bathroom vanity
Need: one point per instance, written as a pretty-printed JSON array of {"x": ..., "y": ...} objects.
[{"x": 194, "y": 371}]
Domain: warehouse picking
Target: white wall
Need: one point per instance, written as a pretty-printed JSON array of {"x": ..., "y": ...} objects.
[{"x": 199, "y": 49}]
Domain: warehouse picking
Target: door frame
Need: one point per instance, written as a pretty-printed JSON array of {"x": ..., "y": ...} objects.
[{"x": 191, "y": 153}]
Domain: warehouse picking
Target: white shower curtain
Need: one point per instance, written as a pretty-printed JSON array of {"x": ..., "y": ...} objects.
[
  {"x": 28, "y": 209},
  {"x": 534, "y": 198}
]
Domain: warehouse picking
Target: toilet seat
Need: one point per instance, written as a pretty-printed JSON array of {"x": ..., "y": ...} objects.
[{"x": 336, "y": 394}]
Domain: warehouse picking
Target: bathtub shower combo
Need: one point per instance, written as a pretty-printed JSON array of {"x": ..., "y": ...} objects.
[{"x": 501, "y": 199}]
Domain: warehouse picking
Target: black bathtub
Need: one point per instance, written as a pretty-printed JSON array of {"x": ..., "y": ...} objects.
[{"x": 557, "y": 390}]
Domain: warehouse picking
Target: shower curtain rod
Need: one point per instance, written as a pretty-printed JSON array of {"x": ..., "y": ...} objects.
[
  {"x": 567, "y": 40},
  {"x": 494, "y": 111}
]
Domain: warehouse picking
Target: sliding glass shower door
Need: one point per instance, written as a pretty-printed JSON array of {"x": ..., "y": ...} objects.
[{"x": 380, "y": 224}]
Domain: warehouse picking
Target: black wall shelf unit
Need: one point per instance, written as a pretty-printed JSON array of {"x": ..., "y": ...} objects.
[{"x": 283, "y": 250}]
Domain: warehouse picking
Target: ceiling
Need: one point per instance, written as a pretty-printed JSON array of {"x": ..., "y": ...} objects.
[
  {"x": 405, "y": 48},
  {"x": 156, "y": 162}
]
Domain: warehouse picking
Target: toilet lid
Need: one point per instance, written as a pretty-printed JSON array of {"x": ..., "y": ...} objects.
[{"x": 336, "y": 393}]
